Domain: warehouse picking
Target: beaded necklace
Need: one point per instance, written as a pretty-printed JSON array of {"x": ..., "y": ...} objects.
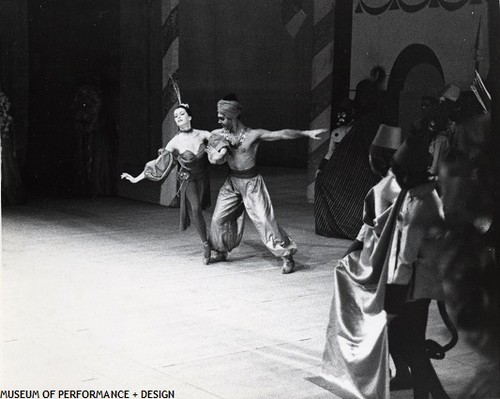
[{"x": 235, "y": 141}]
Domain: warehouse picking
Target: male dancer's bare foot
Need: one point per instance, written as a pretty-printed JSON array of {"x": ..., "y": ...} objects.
[
  {"x": 288, "y": 264},
  {"x": 207, "y": 251},
  {"x": 220, "y": 256}
]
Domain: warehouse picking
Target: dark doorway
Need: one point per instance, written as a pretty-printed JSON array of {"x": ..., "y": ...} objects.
[{"x": 71, "y": 43}]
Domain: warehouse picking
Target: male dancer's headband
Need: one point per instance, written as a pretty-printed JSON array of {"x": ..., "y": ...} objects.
[{"x": 230, "y": 109}]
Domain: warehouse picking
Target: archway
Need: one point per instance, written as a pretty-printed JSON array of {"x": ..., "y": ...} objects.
[{"x": 415, "y": 73}]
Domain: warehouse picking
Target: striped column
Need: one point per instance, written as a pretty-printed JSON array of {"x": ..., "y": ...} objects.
[
  {"x": 321, "y": 85},
  {"x": 293, "y": 16},
  {"x": 170, "y": 64}
]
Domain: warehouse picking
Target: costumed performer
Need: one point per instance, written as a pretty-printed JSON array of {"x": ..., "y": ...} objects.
[
  {"x": 187, "y": 150},
  {"x": 346, "y": 178},
  {"x": 355, "y": 359},
  {"x": 344, "y": 114},
  {"x": 244, "y": 189},
  {"x": 413, "y": 277}
]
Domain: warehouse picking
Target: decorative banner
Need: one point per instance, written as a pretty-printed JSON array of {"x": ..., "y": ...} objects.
[
  {"x": 170, "y": 39},
  {"x": 321, "y": 86},
  {"x": 410, "y": 6}
]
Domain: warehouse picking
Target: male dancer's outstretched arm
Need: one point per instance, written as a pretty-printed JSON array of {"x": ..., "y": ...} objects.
[{"x": 289, "y": 134}]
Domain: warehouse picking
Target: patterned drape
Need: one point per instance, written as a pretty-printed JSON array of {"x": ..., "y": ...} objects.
[
  {"x": 170, "y": 39},
  {"x": 321, "y": 85}
]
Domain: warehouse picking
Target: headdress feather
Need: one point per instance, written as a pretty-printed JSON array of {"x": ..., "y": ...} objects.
[
  {"x": 482, "y": 94},
  {"x": 176, "y": 89}
]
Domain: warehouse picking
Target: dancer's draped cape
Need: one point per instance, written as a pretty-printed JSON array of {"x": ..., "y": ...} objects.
[{"x": 356, "y": 360}]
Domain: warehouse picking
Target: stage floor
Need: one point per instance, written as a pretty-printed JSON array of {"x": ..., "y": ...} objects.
[{"x": 108, "y": 294}]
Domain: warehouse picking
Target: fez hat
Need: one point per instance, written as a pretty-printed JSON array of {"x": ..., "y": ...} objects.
[
  {"x": 413, "y": 155},
  {"x": 451, "y": 92},
  {"x": 388, "y": 137}
]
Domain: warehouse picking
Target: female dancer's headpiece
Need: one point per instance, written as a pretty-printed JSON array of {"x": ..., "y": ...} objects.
[{"x": 177, "y": 91}]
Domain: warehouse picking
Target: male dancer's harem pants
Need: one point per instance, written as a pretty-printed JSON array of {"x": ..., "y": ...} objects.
[{"x": 246, "y": 190}]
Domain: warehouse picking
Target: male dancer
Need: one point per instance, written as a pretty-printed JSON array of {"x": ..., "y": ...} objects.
[{"x": 244, "y": 188}]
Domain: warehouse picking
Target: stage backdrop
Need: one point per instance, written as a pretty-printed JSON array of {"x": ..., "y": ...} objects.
[{"x": 262, "y": 51}]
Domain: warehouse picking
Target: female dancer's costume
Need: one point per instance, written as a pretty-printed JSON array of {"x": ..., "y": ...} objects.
[{"x": 193, "y": 169}]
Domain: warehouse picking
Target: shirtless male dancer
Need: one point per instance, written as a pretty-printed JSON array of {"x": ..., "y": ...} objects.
[{"x": 244, "y": 189}]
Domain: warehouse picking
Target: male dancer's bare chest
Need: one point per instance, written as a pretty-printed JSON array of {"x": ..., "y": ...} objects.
[{"x": 243, "y": 156}]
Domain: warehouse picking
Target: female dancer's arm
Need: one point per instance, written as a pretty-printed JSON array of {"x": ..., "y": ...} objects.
[
  {"x": 133, "y": 179},
  {"x": 158, "y": 168}
]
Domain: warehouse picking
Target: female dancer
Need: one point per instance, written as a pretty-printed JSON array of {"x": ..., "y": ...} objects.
[{"x": 187, "y": 150}]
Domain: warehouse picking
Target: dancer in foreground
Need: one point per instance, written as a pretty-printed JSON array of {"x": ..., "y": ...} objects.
[
  {"x": 355, "y": 361},
  {"x": 413, "y": 273},
  {"x": 187, "y": 150},
  {"x": 244, "y": 189}
]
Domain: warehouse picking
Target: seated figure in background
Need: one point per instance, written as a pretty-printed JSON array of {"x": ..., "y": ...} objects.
[
  {"x": 345, "y": 115},
  {"x": 346, "y": 178}
]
